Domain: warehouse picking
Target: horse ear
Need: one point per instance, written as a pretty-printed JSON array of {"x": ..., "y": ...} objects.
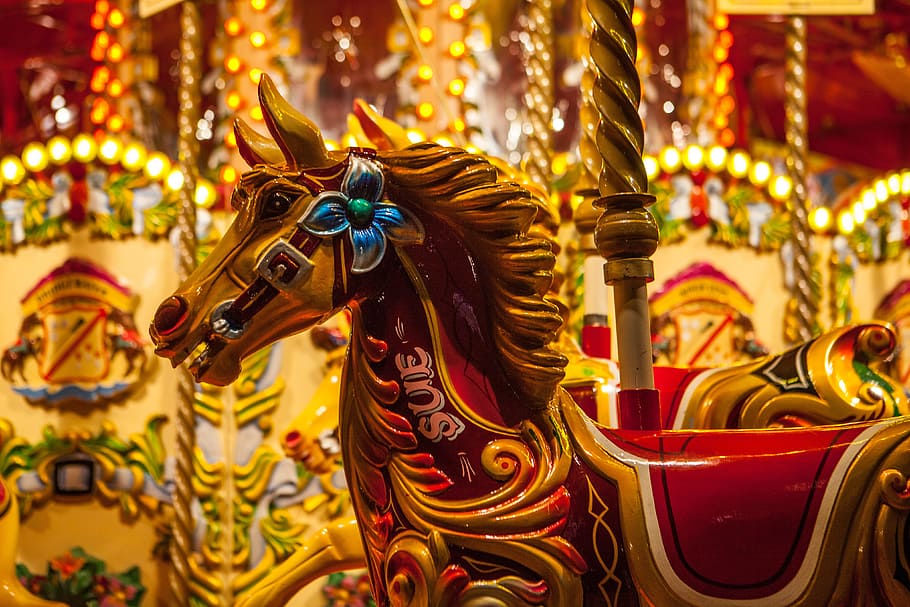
[
  {"x": 299, "y": 139},
  {"x": 384, "y": 133},
  {"x": 255, "y": 148}
]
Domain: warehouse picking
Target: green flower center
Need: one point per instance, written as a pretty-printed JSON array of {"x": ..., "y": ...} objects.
[{"x": 360, "y": 212}]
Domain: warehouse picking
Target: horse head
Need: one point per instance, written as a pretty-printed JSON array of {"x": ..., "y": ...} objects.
[
  {"x": 312, "y": 233},
  {"x": 309, "y": 224}
]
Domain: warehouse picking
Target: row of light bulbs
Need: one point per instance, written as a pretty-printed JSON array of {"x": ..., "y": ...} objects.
[
  {"x": 425, "y": 110},
  {"x": 106, "y": 51},
  {"x": 894, "y": 184},
  {"x": 134, "y": 157},
  {"x": 717, "y": 158},
  {"x": 110, "y": 151},
  {"x": 741, "y": 165},
  {"x": 235, "y": 27}
]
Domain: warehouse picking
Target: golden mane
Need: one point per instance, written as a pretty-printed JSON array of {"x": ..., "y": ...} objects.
[{"x": 494, "y": 218}]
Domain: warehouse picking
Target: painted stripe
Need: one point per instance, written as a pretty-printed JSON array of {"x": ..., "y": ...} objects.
[
  {"x": 711, "y": 338},
  {"x": 682, "y": 420},
  {"x": 74, "y": 342}
]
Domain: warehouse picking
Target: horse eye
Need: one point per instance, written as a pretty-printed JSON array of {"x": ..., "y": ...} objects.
[{"x": 277, "y": 203}]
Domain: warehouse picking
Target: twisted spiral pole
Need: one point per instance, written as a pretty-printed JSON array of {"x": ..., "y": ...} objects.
[
  {"x": 701, "y": 70},
  {"x": 188, "y": 94},
  {"x": 616, "y": 94},
  {"x": 590, "y": 290},
  {"x": 804, "y": 304},
  {"x": 539, "y": 92},
  {"x": 626, "y": 233}
]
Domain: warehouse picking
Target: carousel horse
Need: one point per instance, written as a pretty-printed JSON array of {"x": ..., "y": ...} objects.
[
  {"x": 476, "y": 479},
  {"x": 12, "y": 592}
]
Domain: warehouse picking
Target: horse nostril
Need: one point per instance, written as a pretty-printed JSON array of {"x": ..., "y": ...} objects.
[
  {"x": 170, "y": 315},
  {"x": 292, "y": 439}
]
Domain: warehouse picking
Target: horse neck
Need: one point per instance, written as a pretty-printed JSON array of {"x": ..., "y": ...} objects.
[
  {"x": 421, "y": 391},
  {"x": 431, "y": 315}
]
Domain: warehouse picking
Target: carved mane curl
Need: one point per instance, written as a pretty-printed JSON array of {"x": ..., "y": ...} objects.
[{"x": 494, "y": 220}]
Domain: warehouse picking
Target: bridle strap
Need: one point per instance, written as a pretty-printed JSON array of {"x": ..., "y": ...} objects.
[
  {"x": 285, "y": 265},
  {"x": 280, "y": 265}
]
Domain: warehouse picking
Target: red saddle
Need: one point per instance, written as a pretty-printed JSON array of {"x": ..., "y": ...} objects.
[{"x": 740, "y": 514}]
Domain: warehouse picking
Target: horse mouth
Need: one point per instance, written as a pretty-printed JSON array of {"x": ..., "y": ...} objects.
[
  {"x": 178, "y": 340},
  {"x": 315, "y": 459},
  {"x": 201, "y": 348}
]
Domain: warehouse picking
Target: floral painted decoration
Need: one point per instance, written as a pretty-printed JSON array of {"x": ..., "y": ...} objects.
[
  {"x": 81, "y": 580},
  {"x": 345, "y": 590},
  {"x": 359, "y": 208}
]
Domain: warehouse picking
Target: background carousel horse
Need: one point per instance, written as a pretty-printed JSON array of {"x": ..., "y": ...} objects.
[
  {"x": 476, "y": 480},
  {"x": 12, "y": 592},
  {"x": 312, "y": 439}
]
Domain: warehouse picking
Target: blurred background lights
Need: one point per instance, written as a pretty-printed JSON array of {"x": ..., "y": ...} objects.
[
  {"x": 738, "y": 164},
  {"x": 34, "y": 157},
  {"x": 670, "y": 159},
  {"x": 12, "y": 170},
  {"x": 157, "y": 165},
  {"x": 84, "y": 148},
  {"x": 59, "y": 150},
  {"x": 694, "y": 157},
  {"x": 820, "y": 219},
  {"x": 174, "y": 179}
]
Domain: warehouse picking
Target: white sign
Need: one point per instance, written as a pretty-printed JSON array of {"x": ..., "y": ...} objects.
[
  {"x": 147, "y": 8},
  {"x": 796, "y": 7}
]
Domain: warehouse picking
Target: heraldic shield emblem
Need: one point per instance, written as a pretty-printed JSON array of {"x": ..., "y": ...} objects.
[
  {"x": 702, "y": 318},
  {"x": 78, "y": 340}
]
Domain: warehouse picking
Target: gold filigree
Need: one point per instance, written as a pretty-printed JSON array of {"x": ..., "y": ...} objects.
[
  {"x": 524, "y": 514},
  {"x": 282, "y": 537},
  {"x": 259, "y": 405},
  {"x": 371, "y": 432},
  {"x": 895, "y": 489},
  {"x": 250, "y": 482},
  {"x": 208, "y": 485},
  {"x": 604, "y": 537},
  {"x": 417, "y": 571},
  {"x": 836, "y": 378},
  {"x": 251, "y": 479},
  {"x": 208, "y": 405},
  {"x": 253, "y": 369},
  {"x": 205, "y": 586},
  {"x": 14, "y": 453},
  {"x": 889, "y": 557}
]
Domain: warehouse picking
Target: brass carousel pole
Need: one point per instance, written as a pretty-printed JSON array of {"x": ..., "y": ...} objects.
[
  {"x": 539, "y": 93},
  {"x": 188, "y": 94},
  {"x": 595, "y": 337},
  {"x": 804, "y": 305},
  {"x": 626, "y": 233}
]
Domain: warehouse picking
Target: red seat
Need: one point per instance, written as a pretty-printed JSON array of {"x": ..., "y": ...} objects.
[{"x": 733, "y": 514}]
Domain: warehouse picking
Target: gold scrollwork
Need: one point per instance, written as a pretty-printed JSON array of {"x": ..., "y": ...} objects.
[
  {"x": 890, "y": 555},
  {"x": 142, "y": 454},
  {"x": 839, "y": 376},
  {"x": 525, "y": 513}
]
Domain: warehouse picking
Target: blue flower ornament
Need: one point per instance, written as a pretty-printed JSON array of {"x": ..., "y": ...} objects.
[{"x": 359, "y": 208}]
